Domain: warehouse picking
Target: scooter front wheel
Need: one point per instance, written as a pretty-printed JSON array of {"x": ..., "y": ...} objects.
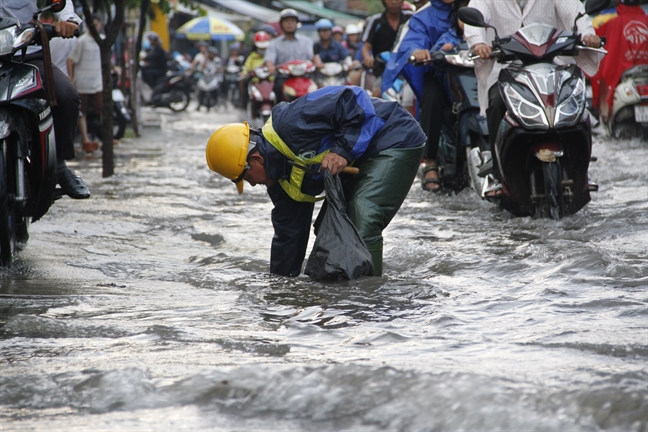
[
  {"x": 179, "y": 100},
  {"x": 552, "y": 205},
  {"x": 119, "y": 126},
  {"x": 7, "y": 212}
]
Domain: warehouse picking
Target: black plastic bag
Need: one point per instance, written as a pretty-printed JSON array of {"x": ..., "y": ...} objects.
[{"x": 339, "y": 253}]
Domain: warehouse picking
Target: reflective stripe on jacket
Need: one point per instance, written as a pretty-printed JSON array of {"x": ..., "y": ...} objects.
[{"x": 292, "y": 185}]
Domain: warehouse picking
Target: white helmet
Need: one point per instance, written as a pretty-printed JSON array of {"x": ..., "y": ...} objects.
[{"x": 352, "y": 29}]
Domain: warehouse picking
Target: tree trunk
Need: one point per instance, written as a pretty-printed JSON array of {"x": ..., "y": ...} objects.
[
  {"x": 108, "y": 163},
  {"x": 112, "y": 28},
  {"x": 134, "y": 95}
]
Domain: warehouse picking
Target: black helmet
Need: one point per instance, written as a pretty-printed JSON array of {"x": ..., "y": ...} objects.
[{"x": 630, "y": 2}]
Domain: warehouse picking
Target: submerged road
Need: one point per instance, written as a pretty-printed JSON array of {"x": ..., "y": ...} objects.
[{"x": 149, "y": 306}]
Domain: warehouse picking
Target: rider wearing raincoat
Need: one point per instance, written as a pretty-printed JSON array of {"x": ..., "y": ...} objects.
[
  {"x": 417, "y": 37},
  {"x": 627, "y": 45},
  {"x": 421, "y": 32},
  {"x": 332, "y": 128}
]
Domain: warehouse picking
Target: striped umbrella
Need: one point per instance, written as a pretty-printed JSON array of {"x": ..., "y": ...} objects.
[{"x": 209, "y": 28}]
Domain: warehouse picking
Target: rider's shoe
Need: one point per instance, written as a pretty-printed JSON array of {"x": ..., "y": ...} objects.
[{"x": 71, "y": 184}]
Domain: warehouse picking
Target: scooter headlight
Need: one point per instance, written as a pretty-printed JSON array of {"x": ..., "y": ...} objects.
[
  {"x": 7, "y": 39},
  {"x": 528, "y": 113},
  {"x": 571, "y": 103},
  {"x": 289, "y": 91}
]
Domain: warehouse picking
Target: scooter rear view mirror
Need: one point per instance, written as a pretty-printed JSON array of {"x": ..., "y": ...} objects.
[
  {"x": 55, "y": 5},
  {"x": 592, "y": 7},
  {"x": 474, "y": 17}
]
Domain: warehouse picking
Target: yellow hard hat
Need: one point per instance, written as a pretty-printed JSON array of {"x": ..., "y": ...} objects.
[{"x": 227, "y": 151}]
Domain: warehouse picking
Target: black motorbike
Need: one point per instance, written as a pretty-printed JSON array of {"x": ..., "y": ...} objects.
[
  {"x": 172, "y": 91},
  {"x": 464, "y": 150},
  {"x": 121, "y": 114},
  {"x": 231, "y": 83},
  {"x": 27, "y": 143},
  {"x": 544, "y": 143}
]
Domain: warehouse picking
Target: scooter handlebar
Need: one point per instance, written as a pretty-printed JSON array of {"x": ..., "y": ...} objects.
[{"x": 50, "y": 31}]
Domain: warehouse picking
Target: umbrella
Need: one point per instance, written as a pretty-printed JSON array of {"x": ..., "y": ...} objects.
[{"x": 209, "y": 27}]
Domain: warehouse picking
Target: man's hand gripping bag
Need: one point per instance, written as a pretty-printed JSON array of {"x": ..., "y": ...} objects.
[{"x": 339, "y": 253}]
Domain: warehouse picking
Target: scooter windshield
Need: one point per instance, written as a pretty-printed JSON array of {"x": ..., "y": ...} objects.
[{"x": 537, "y": 34}]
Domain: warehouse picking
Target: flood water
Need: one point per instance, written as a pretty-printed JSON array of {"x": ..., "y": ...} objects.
[{"x": 149, "y": 306}]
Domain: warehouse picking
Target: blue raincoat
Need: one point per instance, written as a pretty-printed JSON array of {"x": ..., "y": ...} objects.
[
  {"x": 421, "y": 32},
  {"x": 344, "y": 120}
]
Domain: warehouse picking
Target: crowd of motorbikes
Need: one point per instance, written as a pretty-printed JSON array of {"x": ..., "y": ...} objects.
[{"x": 543, "y": 146}]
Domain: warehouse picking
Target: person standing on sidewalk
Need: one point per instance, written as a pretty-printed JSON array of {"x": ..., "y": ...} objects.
[{"x": 84, "y": 69}]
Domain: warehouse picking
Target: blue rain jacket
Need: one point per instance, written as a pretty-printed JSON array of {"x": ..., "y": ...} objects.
[
  {"x": 449, "y": 36},
  {"x": 421, "y": 32},
  {"x": 343, "y": 119}
]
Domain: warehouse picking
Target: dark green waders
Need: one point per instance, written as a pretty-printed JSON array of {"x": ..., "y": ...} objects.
[{"x": 375, "y": 195}]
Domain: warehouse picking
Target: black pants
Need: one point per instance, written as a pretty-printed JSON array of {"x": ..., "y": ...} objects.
[
  {"x": 494, "y": 115},
  {"x": 66, "y": 114},
  {"x": 151, "y": 76},
  {"x": 278, "y": 87},
  {"x": 434, "y": 102}
]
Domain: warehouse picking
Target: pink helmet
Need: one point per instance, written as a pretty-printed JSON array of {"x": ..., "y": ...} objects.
[
  {"x": 337, "y": 29},
  {"x": 261, "y": 39},
  {"x": 408, "y": 6}
]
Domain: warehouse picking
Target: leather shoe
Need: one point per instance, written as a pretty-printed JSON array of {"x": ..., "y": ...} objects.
[{"x": 71, "y": 184}]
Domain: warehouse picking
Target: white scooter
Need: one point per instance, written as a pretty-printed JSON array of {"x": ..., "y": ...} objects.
[
  {"x": 628, "y": 117},
  {"x": 208, "y": 86}
]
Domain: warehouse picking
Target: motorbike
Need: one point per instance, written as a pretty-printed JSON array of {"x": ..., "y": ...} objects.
[
  {"x": 231, "y": 83},
  {"x": 208, "y": 86},
  {"x": 172, "y": 91},
  {"x": 464, "y": 152},
  {"x": 628, "y": 117},
  {"x": 544, "y": 142},
  {"x": 298, "y": 82},
  {"x": 121, "y": 114},
  {"x": 27, "y": 142},
  {"x": 332, "y": 74},
  {"x": 262, "y": 96},
  {"x": 368, "y": 75}
]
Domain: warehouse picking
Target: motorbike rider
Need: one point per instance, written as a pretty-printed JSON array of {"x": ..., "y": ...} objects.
[
  {"x": 289, "y": 46},
  {"x": 333, "y": 126},
  {"x": 154, "y": 61},
  {"x": 379, "y": 36},
  {"x": 508, "y": 16},
  {"x": 418, "y": 37},
  {"x": 338, "y": 34},
  {"x": 235, "y": 58},
  {"x": 328, "y": 50},
  {"x": 261, "y": 40},
  {"x": 352, "y": 39},
  {"x": 210, "y": 64},
  {"x": 627, "y": 45},
  {"x": 84, "y": 70},
  {"x": 66, "y": 113},
  {"x": 198, "y": 58}
]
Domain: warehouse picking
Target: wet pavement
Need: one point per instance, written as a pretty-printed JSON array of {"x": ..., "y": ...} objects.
[{"x": 149, "y": 306}]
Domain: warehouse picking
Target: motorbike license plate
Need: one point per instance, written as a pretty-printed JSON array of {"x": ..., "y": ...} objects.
[{"x": 641, "y": 113}]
